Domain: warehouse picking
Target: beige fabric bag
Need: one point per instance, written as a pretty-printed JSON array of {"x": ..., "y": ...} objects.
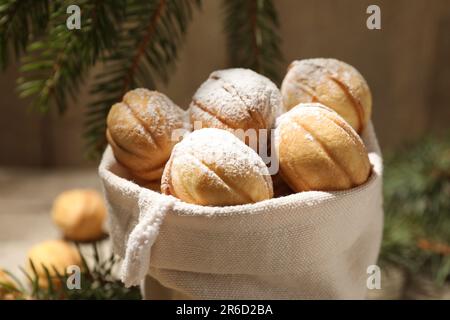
[{"x": 309, "y": 245}]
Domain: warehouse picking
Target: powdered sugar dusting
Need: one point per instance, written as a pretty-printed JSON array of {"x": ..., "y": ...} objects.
[
  {"x": 140, "y": 131},
  {"x": 237, "y": 95},
  {"x": 314, "y": 71},
  {"x": 308, "y": 74},
  {"x": 156, "y": 110},
  {"x": 309, "y": 137},
  {"x": 221, "y": 149}
]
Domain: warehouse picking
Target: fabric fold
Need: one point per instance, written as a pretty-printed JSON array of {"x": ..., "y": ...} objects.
[{"x": 138, "y": 250}]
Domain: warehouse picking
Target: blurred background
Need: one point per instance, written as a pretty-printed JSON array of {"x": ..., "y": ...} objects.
[{"x": 406, "y": 64}]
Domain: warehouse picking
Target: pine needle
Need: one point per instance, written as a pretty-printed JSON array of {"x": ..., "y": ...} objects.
[{"x": 252, "y": 30}]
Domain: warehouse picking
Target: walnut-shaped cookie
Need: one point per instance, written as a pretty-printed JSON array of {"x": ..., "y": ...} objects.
[
  {"x": 212, "y": 167},
  {"x": 236, "y": 100},
  {"x": 80, "y": 214},
  {"x": 318, "y": 150},
  {"x": 54, "y": 256},
  {"x": 332, "y": 83},
  {"x": 140, "y": 130}
]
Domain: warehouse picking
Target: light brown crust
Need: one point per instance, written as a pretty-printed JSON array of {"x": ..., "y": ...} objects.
[
  {"x": 80, "y": 214},
  {"x": 144, "y": 125},
  {"x": 212, "y": 167},
  {"x": 332, "y": 83},
  {"x": 225, "y": 122},
  {"x": 55, "y": 256},
  {"x": 139, "y": 131},
  {"x": 339, "y": 167},
  {"x": 318, "y": 150},
  {"x": 356, "y": 103},
  {"x": 236, "y": 99},
  {"x": 166, "y": 179}
]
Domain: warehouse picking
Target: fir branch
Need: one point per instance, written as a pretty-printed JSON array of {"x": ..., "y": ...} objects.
[
  {"x": 57, "y": 64},
  {"x": 97, "y": 279},
  {"x": 148, "y": 47},
  {"x": 20, "y": 21},
  {"x": 417, "y": 208},
  {"x": 252, "y": 36},
  {"x": 143, "y": 44}
]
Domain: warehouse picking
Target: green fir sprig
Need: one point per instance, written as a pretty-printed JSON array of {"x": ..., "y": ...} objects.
[
  {"x": 55, "y": 65},
  {"x": 252, "y": 30},
  {"x": 135, "y": 41},
  {"x": 147, "y": 49},
  {"x": 417, "y": 208},
  {"x": 20, "y": 22},
  {"x": 97, "y": 281}
]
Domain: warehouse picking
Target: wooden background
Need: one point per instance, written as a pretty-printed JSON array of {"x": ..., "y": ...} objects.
[{"x": 407, "y": 65}]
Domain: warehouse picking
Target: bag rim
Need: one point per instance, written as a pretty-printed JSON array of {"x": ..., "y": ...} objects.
[{"x": 299, "y": 199}]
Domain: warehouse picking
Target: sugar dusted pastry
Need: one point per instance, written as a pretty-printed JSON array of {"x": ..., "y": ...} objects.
[
  {"x": 332, "y": 83},
  {"x": 318, "y": 150},
  {"x": 139, "y": 130},
  {"x": 236, "y": 99},
  {"x": 212, "y": 167},
  {"x": 80, "y": 214}
]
